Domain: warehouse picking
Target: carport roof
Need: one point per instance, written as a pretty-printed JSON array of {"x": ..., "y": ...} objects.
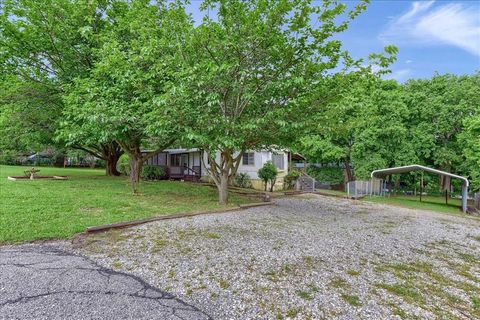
[{"x": 415, "y": 167}]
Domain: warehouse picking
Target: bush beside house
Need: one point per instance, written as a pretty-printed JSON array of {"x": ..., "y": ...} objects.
[
  {"x": 268, "y": 173},
  {"x": 150, "y": 172}
]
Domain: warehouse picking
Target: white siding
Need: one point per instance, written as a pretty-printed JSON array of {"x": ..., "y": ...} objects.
[{"x": 260, "y": 158}]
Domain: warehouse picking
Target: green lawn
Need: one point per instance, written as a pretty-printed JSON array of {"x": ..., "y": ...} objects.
[
  {"x": 45, "y": 209},
  {"x": 433, "y": 203},
  {"x": 332, "y": 192},
  {"x": 428, "y": 203}
]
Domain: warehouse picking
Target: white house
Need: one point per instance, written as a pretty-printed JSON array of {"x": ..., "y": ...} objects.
[{"x": 186, "y": 164}]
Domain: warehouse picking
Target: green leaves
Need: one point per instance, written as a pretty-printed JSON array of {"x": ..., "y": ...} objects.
[
  {"x": 244, "y": 74},
  {"x": 378, "y": 123}
]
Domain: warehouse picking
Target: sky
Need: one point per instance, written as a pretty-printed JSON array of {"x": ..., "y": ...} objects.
[{"x": 432, "y": 36}]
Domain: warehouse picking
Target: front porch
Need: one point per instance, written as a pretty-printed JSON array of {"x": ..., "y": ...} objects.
[{"x": 179, "y": 164}]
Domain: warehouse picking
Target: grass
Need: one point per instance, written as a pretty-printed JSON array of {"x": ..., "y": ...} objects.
[
  {"x": 476, "y": 302},
  {"x": 433, "y": 203},
  {"x": 338, "y": 282},
  {"x": 428, "y": 203},
  {"x": 308, "y": 293},
  {"x": 421, "y": 281},
  {"x": 223, "y": 284},
  {"x": 292, "y": 313},
  {"x": 407, "y": 292},
  {"x": 352, "y": 300},
  {"x": 353, "y": 272},
  {"x": 48, "y": 209},
  {"x": 332, "y": 192}
]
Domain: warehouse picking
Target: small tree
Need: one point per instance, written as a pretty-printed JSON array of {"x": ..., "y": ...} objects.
[
  {"x": 290, "y": 179},
  {"x": 268, "y": 173}
]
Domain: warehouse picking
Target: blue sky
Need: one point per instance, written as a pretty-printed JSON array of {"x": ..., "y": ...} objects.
[{"x": 432, "y": 36}]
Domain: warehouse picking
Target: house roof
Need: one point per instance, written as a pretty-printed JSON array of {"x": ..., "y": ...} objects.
[{"x": 174, "y": 151}]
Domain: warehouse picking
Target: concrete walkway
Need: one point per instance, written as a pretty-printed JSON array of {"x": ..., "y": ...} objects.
[{"x": 43, "y": 282}]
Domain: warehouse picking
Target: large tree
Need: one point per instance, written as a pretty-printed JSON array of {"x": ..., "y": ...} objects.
[
  {"x": 361, "y": 127},
  {"x": 439, "y": 108},
  {"x": 247, "y": 75},
  {"x": 132, "y": 69},
  {"x": 332, "y": 133},
  {"x": 470, "y": 141},
  {"x": 45, "y": 45},
  {"x": 26, "y": 115},
  {"x": 379, "y": 123},
  {"x": 383, "y": 134}
]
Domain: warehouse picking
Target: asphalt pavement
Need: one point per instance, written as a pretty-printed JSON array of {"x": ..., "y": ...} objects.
[{"x": 40, "y": 281}]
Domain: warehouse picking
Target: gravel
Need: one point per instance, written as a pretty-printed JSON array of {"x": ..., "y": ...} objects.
[{"x": 307, "y": 257}]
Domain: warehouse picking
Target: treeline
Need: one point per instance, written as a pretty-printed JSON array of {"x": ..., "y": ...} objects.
[
  {"x": 378, "y": 124},
  {"x": 116, "y": 76}
]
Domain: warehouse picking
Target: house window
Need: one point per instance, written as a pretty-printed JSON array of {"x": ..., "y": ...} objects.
[
  {"x": 175, "y": 160},
  {"x": 248, "y": 159},
  {"x": 278, "y": 161}
]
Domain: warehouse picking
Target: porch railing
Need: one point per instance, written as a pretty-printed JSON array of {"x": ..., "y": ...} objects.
[
  {"x": 305, "y": 183},
  {"x": 184, "y": 172}
]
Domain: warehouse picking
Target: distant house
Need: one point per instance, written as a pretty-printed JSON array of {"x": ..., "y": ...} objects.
[{"x": 187, "y": 164}]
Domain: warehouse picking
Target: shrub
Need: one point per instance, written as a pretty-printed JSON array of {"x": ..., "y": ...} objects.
[
  {"x": 150, "y": 172},
  {"x": 8, "y": 158},
  {"x": 291, "y": 178},
  {"x": 242, "y": 180},
  {"x": 326, "y": 174},
  {"x": 123, "y": 166},
  {"x": 99, "y": 163},
  {"x": 268, "y": 173}
]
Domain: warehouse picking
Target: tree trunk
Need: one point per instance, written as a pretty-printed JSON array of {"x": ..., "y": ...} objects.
[
  {"x": 111, "y": 165},
  {"x": 136, "y": 164},
  {"x": 349, "y": 172},
  {"x": 272, "y": 184},
  {"x": 136, "y": 158},
  {"x": 111, "y": 152},
  {"x": 223, "y": 189},
  {"x": 222, "y": 172}
]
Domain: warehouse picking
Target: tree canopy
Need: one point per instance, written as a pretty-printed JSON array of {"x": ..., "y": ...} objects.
[
  {"x": 45, "y": 46},
  {"x": 128, "y": 81},
  {"x": 246, "y": 77},
  {"x": 114, "y": 76},
  {"x": 380, "y": 123}
]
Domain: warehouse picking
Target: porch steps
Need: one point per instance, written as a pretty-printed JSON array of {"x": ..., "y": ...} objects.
[{"x": 305, "y": 183}]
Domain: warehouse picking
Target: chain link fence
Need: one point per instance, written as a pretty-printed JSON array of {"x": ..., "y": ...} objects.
[{"x": 357, "y": 189}]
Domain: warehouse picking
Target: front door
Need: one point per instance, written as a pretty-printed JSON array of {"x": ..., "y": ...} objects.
[{"x": 184, "y": 163}]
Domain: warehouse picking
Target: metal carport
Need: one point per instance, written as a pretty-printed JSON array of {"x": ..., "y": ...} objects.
[{"x": 416, "y": 167}]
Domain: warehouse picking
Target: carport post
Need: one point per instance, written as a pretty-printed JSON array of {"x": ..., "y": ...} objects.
[
  {"x": 464, "y": 197},
  {"x": 421, "y": 187}
]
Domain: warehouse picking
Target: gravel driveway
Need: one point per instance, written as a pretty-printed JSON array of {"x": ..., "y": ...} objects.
[
  {"x": 309, "y": 257},
  {"x": 44, "y": 282}
]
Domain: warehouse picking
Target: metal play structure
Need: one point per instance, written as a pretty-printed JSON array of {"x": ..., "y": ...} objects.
[{"x": 379, "y": 174}]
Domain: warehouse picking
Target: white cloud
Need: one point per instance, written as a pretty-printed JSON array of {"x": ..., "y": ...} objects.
[
  {"x": 452, "y": 24},
  {"x": 417, "y": 7},
  {"x": 399, "y": 75},
  {"x": 408, "y": 61}
]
